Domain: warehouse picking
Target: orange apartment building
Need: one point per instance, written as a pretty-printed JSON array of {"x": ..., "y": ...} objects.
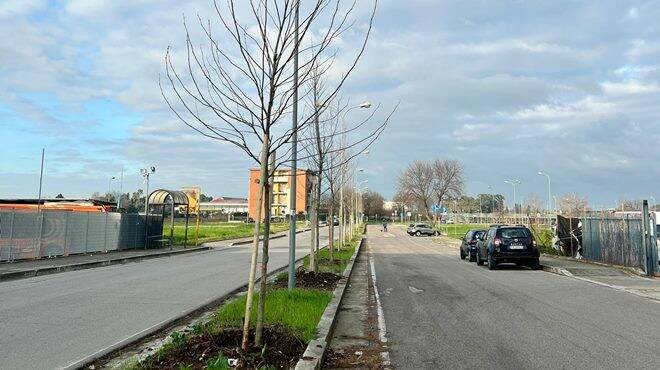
[{"x": 281, "y": 192}]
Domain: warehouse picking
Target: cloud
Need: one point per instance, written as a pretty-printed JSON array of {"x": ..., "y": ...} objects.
[{"x": 570, "y": 87}]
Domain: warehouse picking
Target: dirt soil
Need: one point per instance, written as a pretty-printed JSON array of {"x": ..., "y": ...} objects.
[
  {"x": 322, "y": 280},
  {"x": 282, "y": 350}
]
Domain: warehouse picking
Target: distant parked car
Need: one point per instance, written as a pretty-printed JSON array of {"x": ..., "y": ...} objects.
[
  {"x": 422, "y": 229},
  {"x": 469, "y": 244},
  {"x": 508, "y": 244}
]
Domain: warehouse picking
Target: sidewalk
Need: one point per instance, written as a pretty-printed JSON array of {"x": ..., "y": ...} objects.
[
  {"x": 610, "y": 276},
  {"x": 29, "y": 268}
]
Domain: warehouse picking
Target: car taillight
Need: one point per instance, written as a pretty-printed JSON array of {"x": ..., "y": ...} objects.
[
  {"x": 533, "y": 242},
  {"x": 497, "y": 242}
]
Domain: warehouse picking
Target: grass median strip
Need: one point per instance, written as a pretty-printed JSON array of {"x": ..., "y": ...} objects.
[
  {"x": 290, "y": 322},
  {"x": 217, "y": 231}
]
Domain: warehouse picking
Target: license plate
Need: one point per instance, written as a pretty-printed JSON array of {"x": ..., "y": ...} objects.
[{"x": 516, "y": 246}]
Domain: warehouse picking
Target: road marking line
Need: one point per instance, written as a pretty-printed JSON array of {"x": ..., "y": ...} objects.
[
  {"x": 382, "y": 329},
  {"x": 415, "y": 290}
]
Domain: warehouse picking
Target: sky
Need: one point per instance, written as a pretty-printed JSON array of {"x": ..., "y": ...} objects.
[{"x": 506, "y": 87}]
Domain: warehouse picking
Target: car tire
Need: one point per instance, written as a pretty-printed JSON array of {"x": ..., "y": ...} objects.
[
  {"x": 436, "y": 233},
  {"x": 418, "y": 233},
  {"x": 535, "y": 264},
  {"x": 480, "y": 262},
  {"x": 462, "y": 254},
  {"x": 491, "y": 262}
]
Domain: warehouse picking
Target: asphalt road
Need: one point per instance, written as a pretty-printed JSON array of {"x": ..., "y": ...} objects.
[
  {"x": 52, "y": 321},
  {"x": 442, "y": 312}
]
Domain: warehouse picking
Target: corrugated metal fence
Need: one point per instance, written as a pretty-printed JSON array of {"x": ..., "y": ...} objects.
[
  {"x": 26, "y": 235},
  {"x": 617, "y": 241}
]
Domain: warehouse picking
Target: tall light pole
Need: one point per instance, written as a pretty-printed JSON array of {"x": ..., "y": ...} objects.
[
  {"x": 110, "y": 186},
  {"x": 342, "y": 170},
  {"x": 146, "y": 172},
  {"x": 357, "y": 190},
  {"x": 549, "y": 190},
  {"x": 293, "y": 192},
  {"x": 121, "y": 188},
  {"x": 513, "y": 183},
  {"x": 41, "y": 178}
]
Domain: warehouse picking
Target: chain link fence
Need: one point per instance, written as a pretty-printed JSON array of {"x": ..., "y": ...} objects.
[{"x": 29, "y": 234}]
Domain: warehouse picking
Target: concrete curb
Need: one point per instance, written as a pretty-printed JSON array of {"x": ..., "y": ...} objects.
[
  {"x": 630, "y": 270},
  {"x": 315, "y": 351},
  {"x": 564, "y": 272},
  {"x": 14, "y": 275}
]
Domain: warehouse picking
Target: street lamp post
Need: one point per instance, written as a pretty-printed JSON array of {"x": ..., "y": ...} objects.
[
  {"x": 541, "y": 173},
  {"x": 293, "y": 193},
  {"x": 342, "y": 219},
  {"x": 145, "y": 174},
  {"x": 492, "y": 199},
  {"x": 110, "y": 186},
  {"x": 514, "y": 183}
]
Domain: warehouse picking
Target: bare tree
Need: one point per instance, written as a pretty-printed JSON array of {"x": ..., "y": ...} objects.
[
  {"x": 372, "y": 203},
  {"x": 238, "y": 85},
  {"x": 416, "y": 185},
  {"x": 448, "y": 179},
  {"x": 533, "y": 204},
  {"x": 572, "y": 204},
  {"x": 424, "y": 183}
]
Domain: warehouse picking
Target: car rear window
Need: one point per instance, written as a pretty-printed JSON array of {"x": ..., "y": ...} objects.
[
  {"x": 514, "y": 233},
  {"x": 477, "y": 234}
]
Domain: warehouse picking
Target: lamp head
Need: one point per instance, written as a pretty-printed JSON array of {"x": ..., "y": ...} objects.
[{"x": 365, "y": 105}]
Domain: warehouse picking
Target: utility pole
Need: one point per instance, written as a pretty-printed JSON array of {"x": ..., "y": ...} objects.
[
  {"x": 121, "y": 188},
  {"x": 41, "y": 178},
  {"x": 293, "y": 192}
]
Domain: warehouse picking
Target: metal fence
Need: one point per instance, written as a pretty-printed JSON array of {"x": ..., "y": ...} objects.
[
  {"x": 617, "y": 241},
  {"x": 28, "y": 235}
]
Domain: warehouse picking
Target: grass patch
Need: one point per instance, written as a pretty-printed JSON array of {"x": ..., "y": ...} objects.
[
  {"x": 457, "y": 231},
  {"x": 299, "y": 311},
  {"x": 217, "y": 231}
]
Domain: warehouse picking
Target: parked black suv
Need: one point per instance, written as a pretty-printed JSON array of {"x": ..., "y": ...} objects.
[
  {"x": 508, "y": 244},
  {"x": 469, "y": 244}
]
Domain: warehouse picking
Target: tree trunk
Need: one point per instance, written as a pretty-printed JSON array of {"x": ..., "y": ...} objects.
[
  {"x": 318, "y": 209},
  {"x": 268, "y": 194},
  {"x": 255, "y": 243},
  {"x": 314, "y": 231},
  {"x": 331, "y": 227}
]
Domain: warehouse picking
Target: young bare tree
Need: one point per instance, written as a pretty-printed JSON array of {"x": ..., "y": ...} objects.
[{"x": 238, "y": 85}]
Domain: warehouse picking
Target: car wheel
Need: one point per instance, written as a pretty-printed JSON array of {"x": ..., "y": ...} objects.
[
  {"x": 436, "y": 233},
  {"x": 462, "y": 254},
  {"x": 418, "y": 233},
  {"x": 480, "y": 262},
  {"x": 491, "y": 262},
  {"x": 535, "y": 265}
]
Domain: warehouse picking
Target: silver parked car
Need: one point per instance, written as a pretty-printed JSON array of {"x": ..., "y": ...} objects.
[{"x": 422, "y": 229}]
